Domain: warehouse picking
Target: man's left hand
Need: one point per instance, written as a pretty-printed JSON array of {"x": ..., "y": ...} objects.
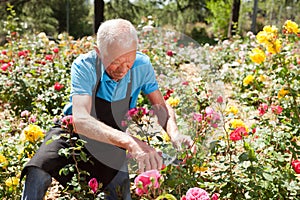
[{"x": 180, "y": 140}]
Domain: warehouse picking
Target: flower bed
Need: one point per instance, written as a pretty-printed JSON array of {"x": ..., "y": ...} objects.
[{"x": 239, "y": 100}]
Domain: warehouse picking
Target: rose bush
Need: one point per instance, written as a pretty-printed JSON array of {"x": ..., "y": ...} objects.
[{"x": 238, "y": 100}]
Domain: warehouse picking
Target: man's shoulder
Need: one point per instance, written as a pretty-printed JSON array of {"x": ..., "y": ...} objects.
[
  {"x": 142, "y": 59},
  {"x": 86, "y": 58}
]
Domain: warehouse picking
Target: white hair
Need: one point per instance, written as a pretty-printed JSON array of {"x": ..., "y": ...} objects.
[{"x": 118, "y": 31}]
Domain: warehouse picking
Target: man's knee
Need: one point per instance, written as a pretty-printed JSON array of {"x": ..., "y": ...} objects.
[
  {"x": 36, "y": 183},
  {"x": 38, "y": 175}
]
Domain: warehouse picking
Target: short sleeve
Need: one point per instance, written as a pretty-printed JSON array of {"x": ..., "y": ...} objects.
[
  {"x": 83, "y": 74},
  {"x": 150, "y": 82}
]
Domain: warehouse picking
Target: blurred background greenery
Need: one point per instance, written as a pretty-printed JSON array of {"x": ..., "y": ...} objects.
[{"x": 203, "y": 20}]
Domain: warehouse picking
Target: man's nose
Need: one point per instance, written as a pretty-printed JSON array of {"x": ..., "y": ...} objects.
[{"x": 124, "y": 67}]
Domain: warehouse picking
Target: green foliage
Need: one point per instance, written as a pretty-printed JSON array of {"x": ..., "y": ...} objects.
[
  {"x": 255, "y": 166},
  {"x": 50, "y": 16},
  {"x": 220, "y": 16}
]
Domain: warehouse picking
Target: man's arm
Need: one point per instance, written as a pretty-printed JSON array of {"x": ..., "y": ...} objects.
[
  {"x": 90, "y": 127},
  {"x": 167, "y": 119}
]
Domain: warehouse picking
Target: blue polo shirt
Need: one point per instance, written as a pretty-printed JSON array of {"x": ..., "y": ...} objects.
[{"x": 83, "y": 80}]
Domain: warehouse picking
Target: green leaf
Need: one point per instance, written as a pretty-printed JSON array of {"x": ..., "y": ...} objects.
[
  {"x": 83, "y": 156},
  {"x": 49, "y": 141},
  {"x": 268, "y": 177},
  {"x": 243, "y": 157},
  {"x": 166, "y": 197}
]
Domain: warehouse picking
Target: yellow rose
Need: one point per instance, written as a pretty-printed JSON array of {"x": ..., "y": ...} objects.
[
  {"x": 268, "y": 37},
  {"x": 270, "y": 29},
  {"x": 33, "y": 133},
  {"x": 12, "y": 182},
  {"x": 258, "y": 56},
  {"x": 232, "y": 109},
  {"x": 248, "y": 79},
  {"x": 282, "y": 93},
  {"x": 3, "y": 161},
  {"x": 238, "y": 123},
  {"x": 198, "y": 169},
  {"x": 291, "y": 27},
  {"x": 173, "y": 101},
  {"x": 275, "y": 47},
  {"x": 261, "y": 37},
  {"x": 262, "y": 78}
]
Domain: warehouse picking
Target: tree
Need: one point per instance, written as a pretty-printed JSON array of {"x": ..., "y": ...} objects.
[
  {"x": 77, "y": 19},
  {"x": 219, "y": 16},
  {"x": 254, "y": 16},
  {"x": 234, "y": 19},
  {"x": 98, "y": 14}
]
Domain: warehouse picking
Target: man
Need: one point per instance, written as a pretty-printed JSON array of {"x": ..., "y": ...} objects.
[{"x": 105, "y": 83}]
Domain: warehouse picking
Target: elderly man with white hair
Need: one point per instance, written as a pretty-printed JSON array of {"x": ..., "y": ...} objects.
[{"x": 105, "y": 84}]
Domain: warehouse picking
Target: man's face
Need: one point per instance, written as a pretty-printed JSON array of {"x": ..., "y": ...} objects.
[{"x": 119, "y": 61}]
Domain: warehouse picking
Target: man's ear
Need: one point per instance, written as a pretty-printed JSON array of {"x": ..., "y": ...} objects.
[{"x": 97, "y": 50}]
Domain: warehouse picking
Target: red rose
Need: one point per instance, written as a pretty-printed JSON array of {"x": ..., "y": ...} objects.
[
  {"x": 56, "y": 50},
  {"x": 296, "y": 166},
  {"x": 4, "y": 52},
  {"x": 21, "y": 53},
  {"x": 49, "y": 57},
  {"x": 170, "y": 53},
  {"x": 58, "y": 86}
]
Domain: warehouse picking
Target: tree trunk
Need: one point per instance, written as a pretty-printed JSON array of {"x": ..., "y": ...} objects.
[
  {"x": 235, "y": 12},
  {"x": 254, "y": 16},
  {"x": 98, "y": 14}
]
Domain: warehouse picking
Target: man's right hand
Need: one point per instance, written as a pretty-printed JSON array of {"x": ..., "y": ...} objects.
[{"x": 146, "y": 156}]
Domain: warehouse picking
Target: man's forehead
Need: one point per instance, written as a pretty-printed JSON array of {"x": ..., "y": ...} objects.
[
  {"x": 114, "y": 54},
  {"x": 115, "y": 51}
]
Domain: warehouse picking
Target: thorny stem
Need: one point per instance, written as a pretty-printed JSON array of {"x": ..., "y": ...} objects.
[{"x": 75, "y": 160}]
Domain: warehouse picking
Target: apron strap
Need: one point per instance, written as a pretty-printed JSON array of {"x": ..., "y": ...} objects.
[{"x": 98, "y": 73}]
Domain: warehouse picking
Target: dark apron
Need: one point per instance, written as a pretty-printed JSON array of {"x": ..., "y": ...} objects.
[{"x": 105, "y": 159}]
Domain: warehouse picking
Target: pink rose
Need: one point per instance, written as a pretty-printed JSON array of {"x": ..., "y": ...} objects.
[
  {"x": 67, "y": 122},
  {"x": 262, "y": 109},
  {"x": 212, "y": 117},
  {"x": 220, "y": 99},
  {"x": 32, "y": 119},
  {"x": 276, "y": 109},
  {"x": 198, "y": 117},
  {"x": 237, "y": 133},
  {"x": 215, "y": 196},
  {"x": 5, "y": 66},
  {"x": 132, "y": 112},
  {"x": 25, "y": 113},
  {"x": 196, "y": 194},
  {"x": 93, "y": 184},
  {"x": 146, "y": 180},
  {"x": 49, "y": 57}
]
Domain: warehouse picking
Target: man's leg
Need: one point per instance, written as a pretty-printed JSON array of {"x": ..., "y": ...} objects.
[{"x": 36, "y": 184}]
